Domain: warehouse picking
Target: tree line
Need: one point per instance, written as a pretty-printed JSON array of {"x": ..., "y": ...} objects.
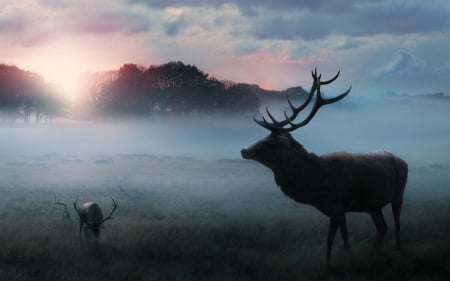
[
  {"x": 24, "y": 96},
  {"x": 168, "y": 89}
]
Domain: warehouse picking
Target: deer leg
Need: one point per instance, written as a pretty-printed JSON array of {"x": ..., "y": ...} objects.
[
  {"x": 81, "y": 227},
  {"x": 334, "y": 224},
  {"x": 344, "y": 234},
  {"x": 396, "y": 210},
  {"x": 87, "y": 233},
  {"x": 380, "y": 223}
]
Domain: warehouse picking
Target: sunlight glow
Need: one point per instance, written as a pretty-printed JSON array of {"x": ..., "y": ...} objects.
[
  {"x": 64, "y": 78},
  {"x": 60, "y": 66}
]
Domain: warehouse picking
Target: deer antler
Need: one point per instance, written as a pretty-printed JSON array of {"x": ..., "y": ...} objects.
[
  {"x": 75, "y": 206},
  {"x": 279, "y": 126},
  {"x": 66, "y": 214},
  {"x": 114, "y": 204}
]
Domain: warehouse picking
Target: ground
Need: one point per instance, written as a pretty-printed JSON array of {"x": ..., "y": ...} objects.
[{"x": 182, "y": 218}]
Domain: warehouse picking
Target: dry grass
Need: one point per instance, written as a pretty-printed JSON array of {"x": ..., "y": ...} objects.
[
  {"x": 226, "y": 225},
  {"x": 218, "y": 249}
]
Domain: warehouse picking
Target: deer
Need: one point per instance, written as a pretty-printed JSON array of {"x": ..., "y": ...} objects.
[
  {"x": 334, "y": 183},
  {"x": 91, "y": 217}
]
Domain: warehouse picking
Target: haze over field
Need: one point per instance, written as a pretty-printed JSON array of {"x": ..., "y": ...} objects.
[{"x": 415, "y": 128}]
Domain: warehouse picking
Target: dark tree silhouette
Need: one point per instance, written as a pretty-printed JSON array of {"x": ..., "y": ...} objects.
[
  {"x": 168, "y": 89},
  {"x": 24, "y": 94}
]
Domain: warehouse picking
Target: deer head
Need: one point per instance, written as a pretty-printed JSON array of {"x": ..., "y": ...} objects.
[{"x": 269, "y": 150}]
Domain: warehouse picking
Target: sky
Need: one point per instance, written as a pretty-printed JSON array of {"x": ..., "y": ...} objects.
[{"x": 393, "y": 46}]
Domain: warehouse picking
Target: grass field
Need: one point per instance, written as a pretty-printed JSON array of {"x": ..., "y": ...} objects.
[{"x": 188, "y": 219}]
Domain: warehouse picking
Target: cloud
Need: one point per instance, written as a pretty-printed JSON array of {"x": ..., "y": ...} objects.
[
  {"x": 363, "y": 20},
  {"x": 174, "y": 27},
  {"x": 397, "y": 19},
  {"x": 259, "y": 41},
  {"x": 246, "y": 48},
  {"x": 86, "y": 20},
  {"x": 290, "y": 28},
  {"x": 401, "y": 63},
  {"x": 20, "y": 28},
  {"x": 287, "y": 20},
  {"x": 11, "y": 24},
  {"x": 349, "y": 43},
  {"x": 247, "y": 5},
  {"x": 29, "y": 25}
]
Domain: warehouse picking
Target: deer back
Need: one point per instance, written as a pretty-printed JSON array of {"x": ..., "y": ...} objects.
[
  {"x": 365, "y": 181},
  {"x": 91, "y": 213}
]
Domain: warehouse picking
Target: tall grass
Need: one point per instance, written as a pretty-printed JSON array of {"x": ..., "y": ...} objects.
[
  {"x": 289, "y": 248},
  {"x": 187, "y": 220}
]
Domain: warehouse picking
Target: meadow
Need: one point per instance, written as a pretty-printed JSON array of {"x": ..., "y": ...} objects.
[
  {"x": 191, "y": 209},
  {"x": 183, "y": 218}
]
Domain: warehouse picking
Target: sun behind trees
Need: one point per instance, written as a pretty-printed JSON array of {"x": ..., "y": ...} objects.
[{"x": 168, "y": 89}]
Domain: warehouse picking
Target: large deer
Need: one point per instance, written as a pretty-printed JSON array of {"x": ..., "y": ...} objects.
[
  {"x": 334, "y": 183},
  {"x": 91, "y": 215}
]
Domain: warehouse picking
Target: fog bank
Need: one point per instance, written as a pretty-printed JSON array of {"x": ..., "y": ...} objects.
[{"x": 417, "y": 130}]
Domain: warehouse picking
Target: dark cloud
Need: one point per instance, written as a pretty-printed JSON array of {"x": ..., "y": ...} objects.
[
  {"x": 372, "y": 20},
  {"x": 174, "y": 28},
  {"x": 400, "y": 20},
  {"x": 270, "y": 19},
  {"x": 249, "y": 5},
  {"x": 249, "y": 12}
]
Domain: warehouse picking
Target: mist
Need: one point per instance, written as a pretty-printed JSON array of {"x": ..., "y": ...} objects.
[{"x": 414, "y": 128}]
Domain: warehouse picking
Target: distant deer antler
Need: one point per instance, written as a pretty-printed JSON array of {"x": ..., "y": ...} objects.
[
  {"x": 114, "y": 204},
  {"x": 65, "y": 214},
  {"x": 279, "y": 126}
]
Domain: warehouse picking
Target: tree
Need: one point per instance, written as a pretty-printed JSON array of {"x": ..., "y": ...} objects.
[
  {"x": 168, "y": 89},
  {"x": 24, "y": 93}
]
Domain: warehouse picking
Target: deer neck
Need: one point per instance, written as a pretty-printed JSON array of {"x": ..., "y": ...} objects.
[{"x": 298, "y": 175}]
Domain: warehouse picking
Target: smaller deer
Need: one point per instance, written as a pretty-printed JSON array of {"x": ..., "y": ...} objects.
[
  {"x": 65, "y": 214},
  {"x": 91, "y": 215}
]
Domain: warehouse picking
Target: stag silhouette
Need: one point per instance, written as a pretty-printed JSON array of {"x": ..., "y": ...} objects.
[
  {"x": 334, "y": 183},
  {"x": 91, "y": 217}
]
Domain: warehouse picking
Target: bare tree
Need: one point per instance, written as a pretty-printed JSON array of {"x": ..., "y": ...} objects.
[
  {"x": 65, "y": 214},
  {"x": 91, "y": 217},
  {"x": 334, "y": 183}
]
